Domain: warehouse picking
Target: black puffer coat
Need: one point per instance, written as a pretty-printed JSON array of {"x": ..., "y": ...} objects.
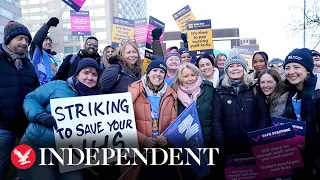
[
  {"x": 236, "y": 114},
  {"x": 14, "y": 86}
]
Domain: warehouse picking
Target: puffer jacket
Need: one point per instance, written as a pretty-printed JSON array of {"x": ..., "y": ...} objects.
[
  {"x": 278, "y": 105},
  {"x": 37, "y": 103},
  {"x": 142, "y": 113},
  {"x": 205, "y": 108},
  {"x": 109, "y": 79},
  {"x": 236, "y": 114},
  {"x": 14, "y": 86}
]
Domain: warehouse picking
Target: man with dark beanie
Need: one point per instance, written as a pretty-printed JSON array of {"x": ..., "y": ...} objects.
[
  {"x": 41, "y": 52},
  {"x": 18, "y": 78},
  {"x": 70, "y": 63}
]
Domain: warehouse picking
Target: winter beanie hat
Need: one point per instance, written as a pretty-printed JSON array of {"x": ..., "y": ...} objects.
[
  {"x": 169, "y": 54},
  {"x": 235, "y": 58},
  {"x": 157, "y": 64},
  {"x": 301, "y": 56},
  {"x": 87, "y": 62},
  {"x": 13, "y": 29}
]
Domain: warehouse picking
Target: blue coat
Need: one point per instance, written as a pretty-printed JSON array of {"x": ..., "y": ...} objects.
[{"x": 37, "y": 103}]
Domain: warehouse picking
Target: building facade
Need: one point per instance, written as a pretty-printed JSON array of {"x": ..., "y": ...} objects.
[
  {"x": 9, "y": 10},
  {"x": 37, "y": 12}
]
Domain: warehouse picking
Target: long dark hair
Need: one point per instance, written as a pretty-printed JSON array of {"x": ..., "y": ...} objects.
[{"x": 280, "y": 87}]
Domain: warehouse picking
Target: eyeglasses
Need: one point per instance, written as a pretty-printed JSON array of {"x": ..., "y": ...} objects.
[
  {"x": 91, "y": 44},
  {"x": 275, "y": 65},
  {"x": 128, "y": 40}
]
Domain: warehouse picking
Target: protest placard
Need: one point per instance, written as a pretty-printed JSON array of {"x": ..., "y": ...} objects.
[
  {"x": 154, "y": 23},
  {"x": 141, "y": 31},
  {"x": 241, "y": 167},
  {"x": 276, "y": 151},
  {"x": 80, "y": 23},
  {"x": 299, "y": 128},
  {"x": 246, "y": 52},
  {"x": 182, "y": 17},
  {"x": 122, "y": 29},
  {"x": 146, "y": 61},
  {"x": 199, "y": 37},
  {"x": 93, "y": 121},
  {"x": 75, "y": 4}
]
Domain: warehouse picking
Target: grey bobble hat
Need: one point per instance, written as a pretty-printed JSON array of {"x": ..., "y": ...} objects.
[{"x": 235, "y": 58}]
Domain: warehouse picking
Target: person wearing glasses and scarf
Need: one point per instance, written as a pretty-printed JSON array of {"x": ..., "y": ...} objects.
[
  {"x": 277, "y": 64},
  {"x": 70, "y": 63}
]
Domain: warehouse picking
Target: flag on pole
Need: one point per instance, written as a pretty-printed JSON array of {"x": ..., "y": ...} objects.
[
  {"x": 186, "y": 132},
  {"x": 39, "y": 66}
]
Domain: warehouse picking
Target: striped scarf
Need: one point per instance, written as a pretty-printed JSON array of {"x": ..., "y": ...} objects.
[{"x": 306, "y": 105}]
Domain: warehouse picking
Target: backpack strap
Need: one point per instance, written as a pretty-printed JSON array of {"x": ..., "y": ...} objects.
[{"x": 73, "y": 57}]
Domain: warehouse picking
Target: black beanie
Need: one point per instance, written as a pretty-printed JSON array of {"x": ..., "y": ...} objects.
[
  {"x": 13, "y": 29},
  {"x": 87, "y": 62},
  {"x": 301, "y": 56},
  {"x": 157, "y": 63}
]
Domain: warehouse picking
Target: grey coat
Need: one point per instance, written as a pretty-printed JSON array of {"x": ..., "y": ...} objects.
[{"x": 278, "y": 105}]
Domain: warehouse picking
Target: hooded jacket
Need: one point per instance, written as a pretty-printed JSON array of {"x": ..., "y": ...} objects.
[
  {"x": 37, "y": 103},
  {"x": 142, "y": 113},
  {"x": 14, "y": 86}
]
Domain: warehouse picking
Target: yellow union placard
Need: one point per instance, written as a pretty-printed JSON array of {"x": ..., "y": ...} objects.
[
  {"x": 122, "y": 29},
  {"x": 146, "y": 61},
  {"x": 200, "y": 37},
  {"x": 182, "y": 17}
]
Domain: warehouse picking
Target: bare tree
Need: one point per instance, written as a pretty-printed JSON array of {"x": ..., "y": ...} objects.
[{"x": 312, "y": 16}]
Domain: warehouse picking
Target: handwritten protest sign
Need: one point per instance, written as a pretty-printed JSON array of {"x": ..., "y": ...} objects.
[
  {"x": 141, "y": 31},
  {"x": 146, "y": 61},
  {"x": 199, "y": 37},
  {"x": 276, "y": 151},
  {"x": 75, "y": 4},
  {"x": 154, "y": 23},
  {"x": 94, "y": 121},
  {"x": 80, "y": 23},
  {"x": 182, "y": 17},
  {"x": 241, "y": 167},
  {"x": 246, "y": 52},
  {"x": 123, "y": 29},
  {"x": 299, "y": 128}
]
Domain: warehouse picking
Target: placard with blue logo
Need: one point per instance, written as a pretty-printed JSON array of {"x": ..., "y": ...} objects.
[
  {"x": 276, "y": 151},
  {"x": 299, "y": 128}
]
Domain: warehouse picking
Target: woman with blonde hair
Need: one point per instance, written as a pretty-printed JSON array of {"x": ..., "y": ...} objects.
[
  {"x": 219, "y": 62},
  {"x": 237, "y": 108},
  {"x": 124, "y": 69}
]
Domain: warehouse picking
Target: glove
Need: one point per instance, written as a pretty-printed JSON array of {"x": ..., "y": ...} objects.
[
  {"x": 48, "y": 121},
  {"x": 184, "y": 38},
  {"x": 156, "y": 33},
  {"x": 53, "y": 22}
]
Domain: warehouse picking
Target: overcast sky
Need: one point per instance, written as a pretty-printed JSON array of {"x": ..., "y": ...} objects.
[{"x": 267, "y": 20}]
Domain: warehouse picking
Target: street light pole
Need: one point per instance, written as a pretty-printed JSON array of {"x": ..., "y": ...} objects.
[{"x": 304, "y": 23}]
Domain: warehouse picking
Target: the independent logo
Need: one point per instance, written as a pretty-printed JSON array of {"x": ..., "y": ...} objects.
[{"x": 23, "y": 156}]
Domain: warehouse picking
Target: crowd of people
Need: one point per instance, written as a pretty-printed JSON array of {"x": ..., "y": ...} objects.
[{"x": 231, "y": 99}]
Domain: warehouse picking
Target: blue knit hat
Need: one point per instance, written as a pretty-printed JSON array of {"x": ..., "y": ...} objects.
[
  {"x": 157, "y": 64},
  {"x": 235, "y": 58},
  {"x": 87, "y": 62},
  {"x": 13, "y": 29},
  {"x": 301, "y": 56},
  {"x": 169, "y": 54},
  {"x": 315, "y": 53}
]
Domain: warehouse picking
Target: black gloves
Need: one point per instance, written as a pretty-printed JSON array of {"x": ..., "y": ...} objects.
[
  {"x": 156, "y": 33},
  {"x": 48, "y": 121},
  {"x": 53, "y": 22},
  {"x": 184, "y": 38}
]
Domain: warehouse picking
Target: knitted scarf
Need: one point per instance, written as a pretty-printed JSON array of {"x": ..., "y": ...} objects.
[
  {"x": 84, "y": 90},
  {"x": 186, "y": 96},
  {"x": 306, "y": 104},
  {"x": 13, "y": 57}
]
